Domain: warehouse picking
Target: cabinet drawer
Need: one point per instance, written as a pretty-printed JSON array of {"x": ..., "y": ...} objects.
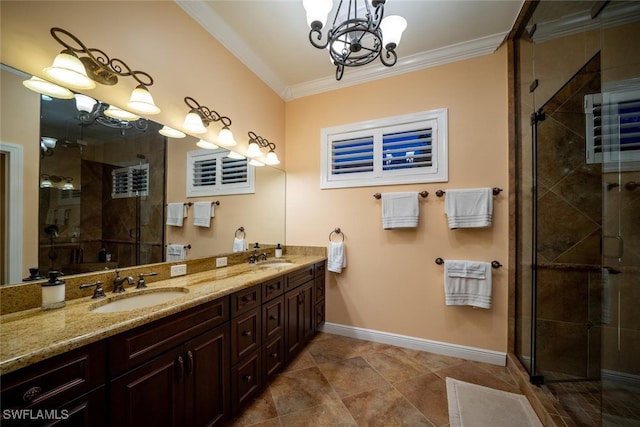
[
  {"x": 272, "y": 318},
  {"x": 273, "y": 356},
  {"x": 246, "y": 380},
  {"x": 245, "y": 334},
  {"x": 138, "y": 345},
  {"x": 299, "y": 277},
  {"x": 245, "y": 300},
  {"x": 320, "y": 269},
  {"x": 272, "y": 288},
  {"x": 56, "y": 381}
]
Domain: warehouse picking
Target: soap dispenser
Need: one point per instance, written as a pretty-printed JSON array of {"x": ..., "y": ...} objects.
[
  {"x": 278, "y": 251},
  {"x": 53, "y": 292}
]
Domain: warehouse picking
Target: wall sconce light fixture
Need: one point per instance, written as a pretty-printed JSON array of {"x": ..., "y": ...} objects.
[
  {"x": 47, "y": 144},
  {"x": 44, "y": 87},
  {"x": 107, "y": 115},
  {"x": 171, "y": 132},
  {"x": 199, "y": 117},
  {"x": 48, "y": 181},
  {"x": 69, "y": 69},
  {"x": 257, "y": 142},
  {"x": 206, "y": 145}
]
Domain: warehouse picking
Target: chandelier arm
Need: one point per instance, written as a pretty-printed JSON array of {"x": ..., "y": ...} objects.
[
  {"x": 318, "y": 37},
  {"x": 389, "y": 54}
]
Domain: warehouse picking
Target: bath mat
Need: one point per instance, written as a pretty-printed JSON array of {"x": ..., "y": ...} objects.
[{"x": 472, "y": 405}]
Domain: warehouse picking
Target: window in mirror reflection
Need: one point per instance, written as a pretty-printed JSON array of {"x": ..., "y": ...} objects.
[{"x": 101, "y": 189}]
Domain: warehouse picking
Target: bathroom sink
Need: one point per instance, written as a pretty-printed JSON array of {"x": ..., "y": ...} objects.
[
  {"x": 273, "y": 264},
  {"x": 138, "y": 300}
]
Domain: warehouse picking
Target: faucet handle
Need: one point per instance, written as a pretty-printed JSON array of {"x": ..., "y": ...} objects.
[
  {"x": 98, "y": 293},
  {"x": 141, "y": 282}
]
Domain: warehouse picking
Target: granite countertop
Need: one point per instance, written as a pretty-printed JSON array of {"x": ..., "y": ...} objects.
[{"x": 29, "y": 336}]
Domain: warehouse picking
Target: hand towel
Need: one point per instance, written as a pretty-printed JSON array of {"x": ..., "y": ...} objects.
[
  {"x": 202, "y": 214},
  {"x": 61, "y": 216},
  {"x": 400, "y": 210},
  {"x": 51, "y": 217},
  {"x": 238, "y": 245},
  {"x": 469, "y": 208},
  {"x": 337, "y": 258},
  {"x": 176, "y": 253},
  {"x": 467, "y": 283},
  {"x": 176, "y": 213}
]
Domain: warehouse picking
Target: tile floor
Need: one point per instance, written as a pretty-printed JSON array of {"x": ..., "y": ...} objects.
[{"x": 338, "y": 381}]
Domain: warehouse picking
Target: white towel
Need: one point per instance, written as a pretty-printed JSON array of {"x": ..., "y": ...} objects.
[
  {"x": 238, "y": 245},
  {"x": 176, "y": 213},
  {"x": 400, "y": 210},
  {"x": 469, "y": 208},
  {"x": 202, "y": 214},
  {"x": 467, "y": 283},
  {"x": 61, "y": 216},
  {"x": 176, "y": 253},
  {"x": 51, "y": 217},
  {"x": 337, "y": 259}
]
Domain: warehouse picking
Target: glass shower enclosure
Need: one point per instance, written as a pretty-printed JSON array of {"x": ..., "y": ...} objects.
[{"x": 578, "y": 280}]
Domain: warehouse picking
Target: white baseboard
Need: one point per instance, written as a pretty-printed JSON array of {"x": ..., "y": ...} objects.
[{"x": 454, "y": 350}]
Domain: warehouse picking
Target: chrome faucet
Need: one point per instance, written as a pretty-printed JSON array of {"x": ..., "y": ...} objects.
[
  {"x": 255, "y": 257},
  {"x": 118, "y": 282}
]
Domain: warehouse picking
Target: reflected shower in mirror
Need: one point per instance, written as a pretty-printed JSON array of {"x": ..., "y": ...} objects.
[{"x": 102, "y": 189}]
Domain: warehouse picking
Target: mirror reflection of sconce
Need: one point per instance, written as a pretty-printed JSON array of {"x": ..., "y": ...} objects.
[
  {"x": 51, "y": 181},
  {"x": 171, "y": 132},
  {"x": 199, "y": 117},
  {"x": 107, "y": 115},
  {"x": 47, "y": 144},
  {"x": 256, "y": 143}
]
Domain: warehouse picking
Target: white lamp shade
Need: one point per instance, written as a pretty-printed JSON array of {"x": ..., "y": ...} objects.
[
  {"x": 171, "y": 132},
  {"x": 225, "y": 137},
  {"x": 392, "y": 28},
  {"x": 141, "y": 101},
  {"x": 234, "y": 155},
  {"x": 69, "y": 71},
  {"x": 253, "y": 150},
  {"x": 44, "y": 87},
  {"x": 48, "y": 142},
  {"x": 206, "y": 145},
  {"x": 255, "y": 162},
  {"x": 117, "y": 113},
  {"x": 193, "y": 123},
  {"x": 84, "y": 103},
  {"x": 317, "y": 10},
  {"x": 272, "y": 158},
  {"x": 67, "y": 186},
  {"x": 46, "y": 183}
]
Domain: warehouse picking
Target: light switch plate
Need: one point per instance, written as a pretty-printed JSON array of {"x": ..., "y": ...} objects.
[
  {"x": 178, "y": 270},
  {"x": 221, "y": 262}
]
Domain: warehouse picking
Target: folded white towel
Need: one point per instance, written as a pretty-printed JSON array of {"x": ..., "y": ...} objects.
[
  {"x": 176, "y": 253},
  {"x": 467, "y": 283},
  {"x": 400, "y": 210},
  {"x": 469, "y": 208},
  {"x": 238, "y": 244},
  {"x": 176, "y": 213},
  {"x": 337, "y": 259},
  {"x": 202, "y": 214}
]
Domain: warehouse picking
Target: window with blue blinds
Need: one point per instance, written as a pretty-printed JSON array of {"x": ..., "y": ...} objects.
[
  {"x": 395, "y": 150},
  {"x": 613, "y": 127},
  {"x": 211, "y": 172}
]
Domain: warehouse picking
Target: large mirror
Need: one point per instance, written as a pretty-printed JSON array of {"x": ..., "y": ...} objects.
[{"x": 104, "y": 186}]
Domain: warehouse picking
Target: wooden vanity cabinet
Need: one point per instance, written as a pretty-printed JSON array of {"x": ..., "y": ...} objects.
[
  {"x": 186, "y": 384},
  {"x": 319, "y": 288},
  {"x": 299, "y": 306},
  {"x": 69, "y": 388}
]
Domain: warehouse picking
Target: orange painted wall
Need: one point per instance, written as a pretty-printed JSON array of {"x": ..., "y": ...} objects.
[{"x": 391, "y": 282}]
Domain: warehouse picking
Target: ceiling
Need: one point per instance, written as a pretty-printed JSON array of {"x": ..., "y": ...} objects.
[{"x": 271, "y": 38}]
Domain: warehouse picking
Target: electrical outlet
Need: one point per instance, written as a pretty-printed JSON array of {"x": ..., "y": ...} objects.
[
  {"x": 178, "y": 270},
  {"x": 221, "y": 262}
]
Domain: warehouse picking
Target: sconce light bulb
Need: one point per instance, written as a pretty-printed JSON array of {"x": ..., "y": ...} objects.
[
  {"x": 85, "y": 103},
  {"x": 117, "y": 113},
  {"x": 234, "y": 155},
  {"x": 255, "y": 162},
  {"x": 171, "y": 132},
  {"x": 272, "y": 158},
  {"x": 206, "y": 145},
  {"x": 48, "y": 142},
  {"x": 253, "y": 150},
  {"x": 44, "y": 87},
  {"x": 225, "y": 137},
  {"x": 193, "y": 122},
  {"x": 69, "y": 71},
  {"x": 141, "y": 101}
]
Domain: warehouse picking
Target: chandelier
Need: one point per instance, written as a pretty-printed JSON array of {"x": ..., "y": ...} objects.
[{"x": 358, "y": 33}]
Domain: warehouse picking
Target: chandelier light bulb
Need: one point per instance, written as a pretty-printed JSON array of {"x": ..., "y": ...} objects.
[
  {"x": 206, "y": 145},
  {"x": 193, "y": 123},
  {"x": 392, "y": 28},
  {"x": 44, "y": 87},
  {"x": 117, "y": 113},
  {"x": 141, "y": 101},
  {"x": 69, "y": 71},
  {"x": 171, "y": 133},
  {"x": 225, "y": 137},
  {"x": 317, "y": 12}
]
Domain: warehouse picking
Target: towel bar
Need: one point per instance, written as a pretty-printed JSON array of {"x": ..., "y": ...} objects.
[
  {"x": 495, "y": 190},
  {"x": 494, "y": 264},
  {"x": 422, "y": 194},
  {"x": 337, "y": 231}
]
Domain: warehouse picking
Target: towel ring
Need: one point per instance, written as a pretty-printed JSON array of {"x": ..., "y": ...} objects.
[
  {"x": 494, "y": 264},
  {"x": 336, "y": 231},
  {"x": 240, "y": 230}
]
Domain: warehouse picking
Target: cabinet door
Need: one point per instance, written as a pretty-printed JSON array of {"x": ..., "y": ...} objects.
[
  {"x": 292, "y": 308},
  {"x": 207, "y": 378},
  {"x": 152, "y": 394},
  {"x": 307, "y": 314}
]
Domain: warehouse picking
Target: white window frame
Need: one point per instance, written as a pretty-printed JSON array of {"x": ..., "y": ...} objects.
[
  {"x": 438, "y": 172},
  {"x": 219, "y": 189}
]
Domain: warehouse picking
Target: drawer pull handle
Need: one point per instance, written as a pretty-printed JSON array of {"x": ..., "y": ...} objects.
[
  {"x": 248, "y": 378},
  {"x": 247, "y": 333},
  {"x": 180, "y": 368},
  {"x": 274, "y": 355},
  {"x": 272, "y": 317},
  {"x": 31, "y": 394},
  {"x": 189, "y": 363}
]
